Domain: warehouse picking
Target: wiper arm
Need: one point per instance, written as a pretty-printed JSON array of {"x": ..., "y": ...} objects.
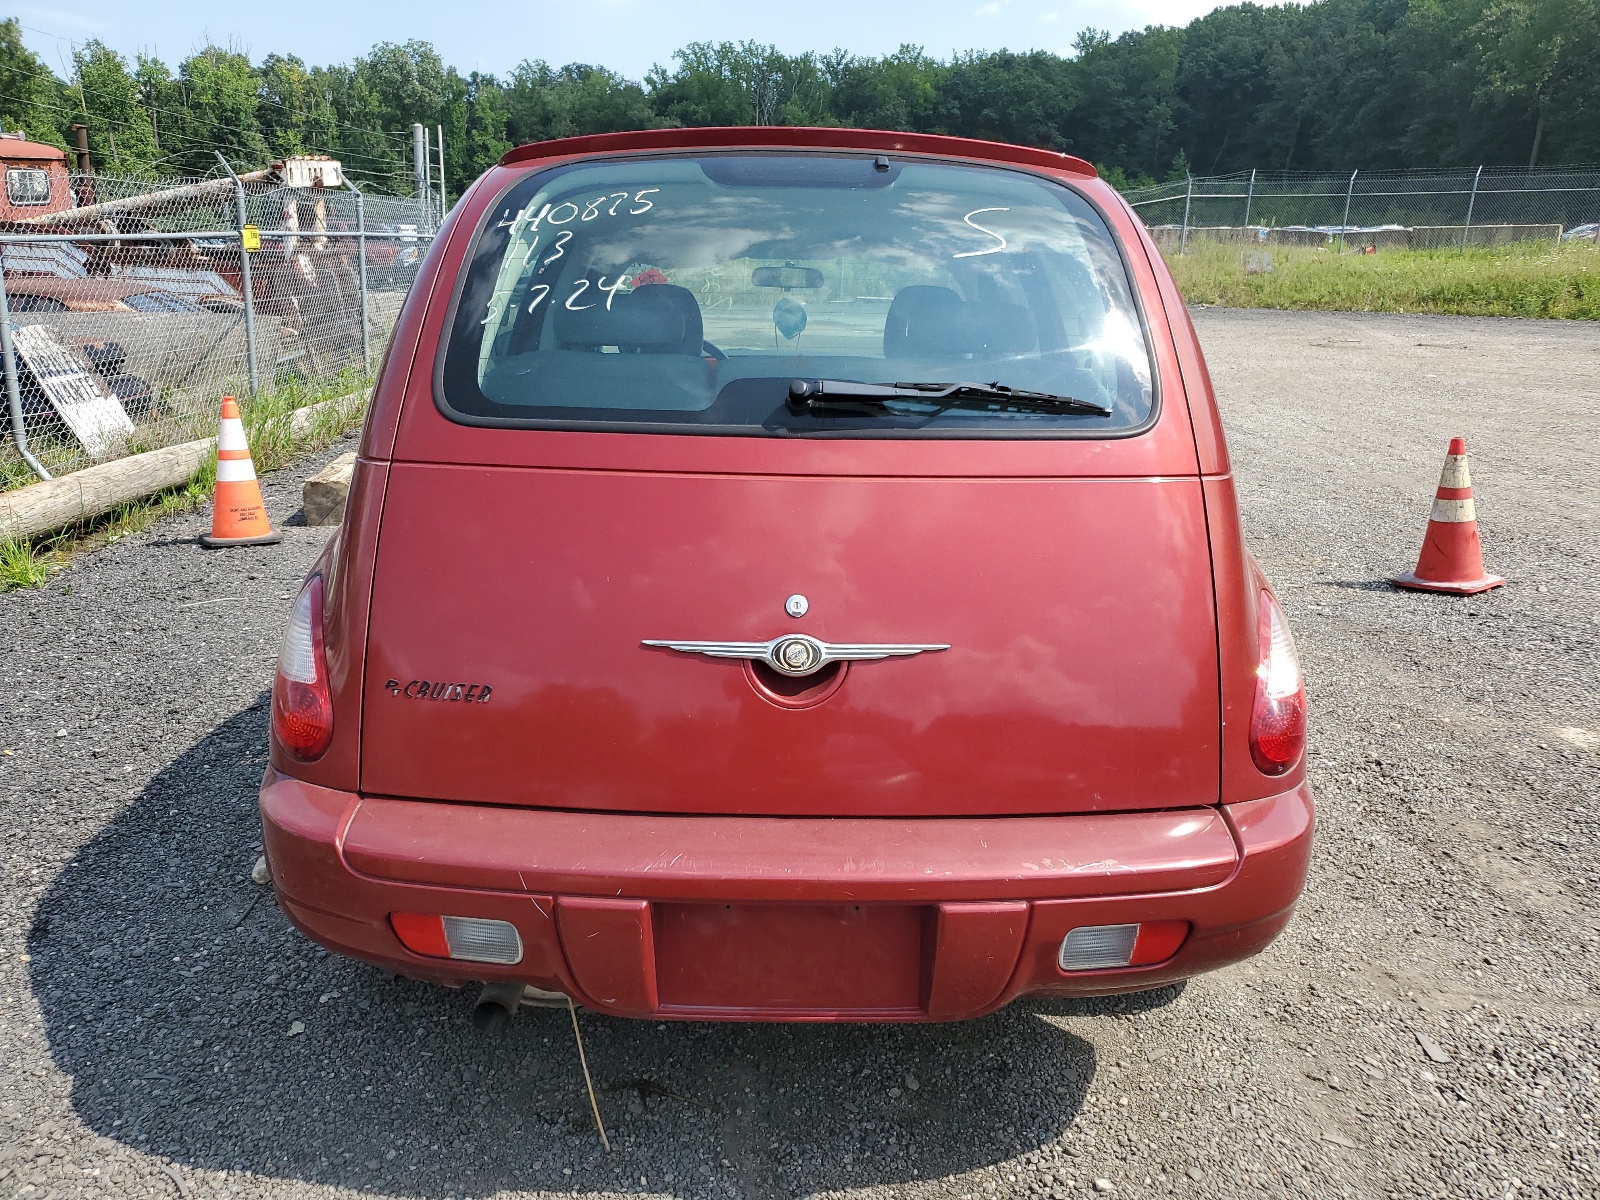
[{"x": 846, "y": 395}]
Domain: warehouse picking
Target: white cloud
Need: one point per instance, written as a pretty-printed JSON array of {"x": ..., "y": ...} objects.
[{"x": 989, "y": 10}]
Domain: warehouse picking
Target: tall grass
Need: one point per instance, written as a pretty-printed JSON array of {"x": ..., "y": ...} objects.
[
  {"x": 1519, "y": 280},
  {"x": 277, "y": 439}
]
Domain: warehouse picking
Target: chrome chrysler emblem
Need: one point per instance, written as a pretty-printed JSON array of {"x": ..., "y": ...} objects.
[{"x": 799, "y": 654}]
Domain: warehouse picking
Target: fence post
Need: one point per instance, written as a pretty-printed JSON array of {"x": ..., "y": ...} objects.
[
  {"x": 1471, "y": 201},
  {"x": 1249, "y": 196},
  {"x": 361, "y": 261},
  {"x": 444, "y": 200},
  {"x": 19, "y": 430},
  {"x": 1183, "y": 238},
  {"x": 244, "y": 276},
  {"x": 1349, "y": 191}
]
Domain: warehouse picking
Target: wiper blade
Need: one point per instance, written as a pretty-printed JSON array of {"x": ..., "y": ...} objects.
[{"x": 848, "y": 396}]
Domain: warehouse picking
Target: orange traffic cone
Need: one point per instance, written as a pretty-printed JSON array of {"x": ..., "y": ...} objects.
[
  {"x": 238, "y": 515},
  {"x": 1451, "y": 559}
]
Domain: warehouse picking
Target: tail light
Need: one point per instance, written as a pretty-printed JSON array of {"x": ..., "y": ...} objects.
[
  {"x": 1278, "y": 723},
  {"x": 302, "y": 708},
  {"x": 1106, "y": 947},
  {"x": 475, "y": 939}
]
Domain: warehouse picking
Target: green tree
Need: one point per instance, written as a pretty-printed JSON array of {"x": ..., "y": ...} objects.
[
  {"x": 744, "y": 83},
  {"x": 405, "y": 84},
  {"x": 1224, "y": 82},
  {"x": 898, "y": 91},
  {"x": 220, "y": 91},
  {"x": 487, "y": 127},
  {"x": 543, "y": 102},
  {"x": 1529, "y": 50},
  {"x": 1028, "y": 99},
  {"x": 1127, "y": 117},
  {"x": 30, "y": 96},
  {"x": 295, "y": 113},
  {"x": 121, "y": 137}
]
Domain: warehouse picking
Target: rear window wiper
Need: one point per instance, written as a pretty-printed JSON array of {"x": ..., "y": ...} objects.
[{"x": 848, "y": 396}]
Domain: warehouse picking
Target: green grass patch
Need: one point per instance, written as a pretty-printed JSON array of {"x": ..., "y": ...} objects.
[
  {"x": 1520, "y": 280},
  {"x": 22, "y": 565}
]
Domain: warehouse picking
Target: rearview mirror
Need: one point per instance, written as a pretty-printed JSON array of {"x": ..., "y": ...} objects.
[{"x": 786, "y": 277}]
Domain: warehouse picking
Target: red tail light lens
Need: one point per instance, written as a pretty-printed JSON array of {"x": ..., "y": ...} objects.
[
  {"x": 302, "y": 708},
  {"x": 1278, "y": 724}
]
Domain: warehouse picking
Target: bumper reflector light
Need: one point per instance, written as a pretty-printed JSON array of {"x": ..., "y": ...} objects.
[
  {"x": 470, "y": 939},
  {"x": 1106, "y": 947}
]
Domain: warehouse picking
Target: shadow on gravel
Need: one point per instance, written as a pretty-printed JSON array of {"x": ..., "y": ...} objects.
[
  {"x": 174, "y": 994},
  {"x": 1358, "y": 585}
]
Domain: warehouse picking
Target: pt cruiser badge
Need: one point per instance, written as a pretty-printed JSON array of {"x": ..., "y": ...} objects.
[
  {"x": 423, "y": 689},
  {"x": 797, "y": 654}
]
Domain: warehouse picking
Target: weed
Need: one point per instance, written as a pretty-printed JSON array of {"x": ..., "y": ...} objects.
[{"x": 22, "y": 565}]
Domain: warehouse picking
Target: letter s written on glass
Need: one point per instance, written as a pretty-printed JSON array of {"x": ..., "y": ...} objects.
[{"x": 973, "y": 224}]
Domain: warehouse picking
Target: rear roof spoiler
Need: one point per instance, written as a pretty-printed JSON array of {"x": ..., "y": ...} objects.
[{"x": 781, "y": 137}]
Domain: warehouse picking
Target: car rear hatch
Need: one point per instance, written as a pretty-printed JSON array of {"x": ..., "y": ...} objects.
[{"x": 506, "y": 662}]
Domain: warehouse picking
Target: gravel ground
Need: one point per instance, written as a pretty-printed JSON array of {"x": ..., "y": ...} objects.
[{"x": 1427, "y": 1027}]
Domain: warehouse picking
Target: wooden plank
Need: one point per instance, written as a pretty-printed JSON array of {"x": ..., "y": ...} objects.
[{"x": 42, "y": 507}]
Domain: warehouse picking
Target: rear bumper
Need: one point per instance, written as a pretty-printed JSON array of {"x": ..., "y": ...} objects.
[{"x": 786, "y": 918}]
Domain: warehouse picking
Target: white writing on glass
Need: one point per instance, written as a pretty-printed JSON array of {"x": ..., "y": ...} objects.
[
  {"x": 559, "y": 249},
  {"x": 973, "y": 224},
  {"x": 568, "y": 210},
  {"x": 580, "y": 286}
]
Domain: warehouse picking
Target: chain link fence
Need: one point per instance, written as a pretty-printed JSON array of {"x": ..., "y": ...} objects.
[
  {"x": 133, "y": 306},
  {"x": 1423, "y": 209}
]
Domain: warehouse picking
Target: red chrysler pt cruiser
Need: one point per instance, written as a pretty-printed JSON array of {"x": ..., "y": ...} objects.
[{"x": 790, "y": 574}]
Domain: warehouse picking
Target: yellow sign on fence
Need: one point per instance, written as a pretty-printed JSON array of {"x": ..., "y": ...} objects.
[{"x": 250, "y": 235}]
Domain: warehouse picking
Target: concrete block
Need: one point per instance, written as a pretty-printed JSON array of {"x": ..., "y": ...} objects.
[{"x": 325, "y": 492}]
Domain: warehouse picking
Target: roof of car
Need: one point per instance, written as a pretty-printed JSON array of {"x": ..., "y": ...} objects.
[{"x": 789, "y": 137}]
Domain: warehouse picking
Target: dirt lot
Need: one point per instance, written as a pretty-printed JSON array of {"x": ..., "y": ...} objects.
[{"x": 1427, "y": 1027}]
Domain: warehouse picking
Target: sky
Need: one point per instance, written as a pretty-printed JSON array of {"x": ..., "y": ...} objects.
[{"x": 626, "y": 35}]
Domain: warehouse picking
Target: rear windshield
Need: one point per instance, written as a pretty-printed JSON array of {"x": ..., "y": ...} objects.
[{"x": 686, "y": 294}]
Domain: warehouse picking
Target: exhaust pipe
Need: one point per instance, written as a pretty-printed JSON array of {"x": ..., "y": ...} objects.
[{"x": 498, "y": 1003}]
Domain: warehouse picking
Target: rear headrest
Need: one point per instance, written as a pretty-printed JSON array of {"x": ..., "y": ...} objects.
[
  {"x": 659, "y": 318},
  {"x": 934, "y": 322}
]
